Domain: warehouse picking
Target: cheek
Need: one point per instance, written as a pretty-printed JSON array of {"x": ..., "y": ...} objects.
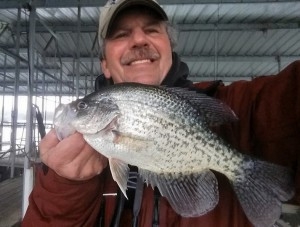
[
  {"x": 111, "y": 66},
  {"x": 114, "y": 49},
  {"x": 113, "y": 55},
  {"x": 166, "y": 62},
  {"x": 169, "y": 58}
]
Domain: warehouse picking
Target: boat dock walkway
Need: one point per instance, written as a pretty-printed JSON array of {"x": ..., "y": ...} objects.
[{"x": 11, "y": 201}]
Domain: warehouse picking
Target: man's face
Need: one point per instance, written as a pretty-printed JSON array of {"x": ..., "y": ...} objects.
[{"x": 138, "y": 49}]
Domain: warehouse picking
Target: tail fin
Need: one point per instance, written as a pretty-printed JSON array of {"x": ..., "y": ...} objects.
[{"x": 262, "y": 190}]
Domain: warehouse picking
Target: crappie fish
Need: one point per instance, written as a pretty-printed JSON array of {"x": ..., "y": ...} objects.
[{"x": 165, "y": 133}]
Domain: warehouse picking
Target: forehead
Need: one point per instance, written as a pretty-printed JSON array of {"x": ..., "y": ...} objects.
[{"x": 133, "y": 12}]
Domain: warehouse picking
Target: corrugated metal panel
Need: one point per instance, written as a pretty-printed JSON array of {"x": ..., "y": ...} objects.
[{"x": 230, "y": 40}]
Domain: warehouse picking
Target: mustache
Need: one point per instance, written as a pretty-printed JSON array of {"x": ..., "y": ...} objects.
[{"x": 140, "y": 53}]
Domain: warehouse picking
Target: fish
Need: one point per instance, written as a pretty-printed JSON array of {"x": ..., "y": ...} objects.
[{"x": 167, "y": 134}]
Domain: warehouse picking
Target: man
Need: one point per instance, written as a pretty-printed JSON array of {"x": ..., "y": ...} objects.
[{"x": 136, "y": 46}]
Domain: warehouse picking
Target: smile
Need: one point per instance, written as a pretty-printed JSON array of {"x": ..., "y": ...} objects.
[{"x": 141, "y": 61}]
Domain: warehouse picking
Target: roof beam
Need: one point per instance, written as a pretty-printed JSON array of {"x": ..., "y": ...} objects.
[
  {"x": 9, "y": 70},
  {"x": 198, "y": 58},
  {"x": 38, "y": 83},
  {"x": 5, "y": 4},
  {"x": 181, "y": 27},
  {"x": 16, "y": 56},
  {"x": 237, "y": 27}
]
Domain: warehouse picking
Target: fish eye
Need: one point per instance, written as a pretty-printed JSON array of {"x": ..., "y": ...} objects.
[{"x": 82, "y": 105}]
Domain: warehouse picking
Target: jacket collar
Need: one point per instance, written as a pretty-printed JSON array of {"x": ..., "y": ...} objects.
[{"x": 178, "y": 73}]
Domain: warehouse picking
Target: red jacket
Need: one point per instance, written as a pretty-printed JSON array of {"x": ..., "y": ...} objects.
[{"x": 268, "y": 109}]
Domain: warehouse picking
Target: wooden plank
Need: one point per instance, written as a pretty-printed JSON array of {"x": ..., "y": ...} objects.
[{"x": 11, "y": 201}]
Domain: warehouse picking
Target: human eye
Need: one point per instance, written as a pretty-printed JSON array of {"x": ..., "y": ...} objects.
[
  {"x": 119, "y": 34},
  {"x": 152, "y": 29}
]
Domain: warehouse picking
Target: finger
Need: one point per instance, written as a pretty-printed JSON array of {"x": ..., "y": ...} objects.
[
  {"x": 60, "y": 153},
  {"x": 94, "y": 166},
  {"x": 86, "y": 154},
  {"x": 50, "y": 140},
  {"x": 74, "y": 142},
  {"x": 47, "y": 143}
]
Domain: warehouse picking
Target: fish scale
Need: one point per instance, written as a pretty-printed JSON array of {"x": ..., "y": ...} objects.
[{"x": 165, "y": 132}]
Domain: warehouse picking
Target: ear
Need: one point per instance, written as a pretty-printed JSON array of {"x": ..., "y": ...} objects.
[{"x": 105, "y": 70}]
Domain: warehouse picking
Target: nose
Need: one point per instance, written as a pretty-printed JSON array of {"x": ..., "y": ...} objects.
[{"x": 139, "y": 38}]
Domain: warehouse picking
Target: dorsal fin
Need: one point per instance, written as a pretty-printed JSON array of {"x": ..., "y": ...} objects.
[{"x": 212, "y": 110}]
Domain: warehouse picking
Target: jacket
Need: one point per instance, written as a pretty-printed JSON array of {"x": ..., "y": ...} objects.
[{"x": 268, "y": 108}]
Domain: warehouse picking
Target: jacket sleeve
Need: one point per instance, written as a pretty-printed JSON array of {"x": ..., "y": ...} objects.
[
  {"x": 268, "y": 108},
  {"x": 56, "y": 201}
]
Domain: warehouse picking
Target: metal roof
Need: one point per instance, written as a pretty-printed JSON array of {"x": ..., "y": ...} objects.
[{"x": 226, "y": 39}]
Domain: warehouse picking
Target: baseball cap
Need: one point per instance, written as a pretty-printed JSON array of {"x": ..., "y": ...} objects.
[{"x": 109, "y": 12}]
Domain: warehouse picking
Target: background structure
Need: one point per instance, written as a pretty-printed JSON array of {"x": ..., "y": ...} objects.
[{"x": 49, "y": 53}]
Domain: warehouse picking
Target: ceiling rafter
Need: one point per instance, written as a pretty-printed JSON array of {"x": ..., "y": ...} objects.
[
  {"x": 256, "y": 38},
  {"x": 181, "y": 27},
  {"x": 6, "y": 4}
]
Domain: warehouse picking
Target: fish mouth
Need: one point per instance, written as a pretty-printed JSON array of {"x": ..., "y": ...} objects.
[{"x": 63, "y": 117}]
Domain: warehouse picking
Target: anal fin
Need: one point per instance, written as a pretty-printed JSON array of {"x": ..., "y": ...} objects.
[{"x": 189, "y": 195}]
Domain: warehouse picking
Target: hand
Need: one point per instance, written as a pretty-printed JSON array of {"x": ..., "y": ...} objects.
[{"x": 71, "y": 157}]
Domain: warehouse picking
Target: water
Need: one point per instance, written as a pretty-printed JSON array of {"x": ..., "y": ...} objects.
[{"x": 46, "y": 105}]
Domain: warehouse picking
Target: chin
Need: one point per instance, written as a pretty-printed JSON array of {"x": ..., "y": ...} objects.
[{"x": 149, "y": 81}]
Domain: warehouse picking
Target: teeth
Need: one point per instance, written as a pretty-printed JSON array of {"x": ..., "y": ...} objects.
[{"x": 140, "y": 61}]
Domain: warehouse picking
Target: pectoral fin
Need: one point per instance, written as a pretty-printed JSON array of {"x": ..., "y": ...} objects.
[
  {"x": 131, "y": 142},
  {"x": 120, "y": 173},
  {"x": 189, "y": 195}
]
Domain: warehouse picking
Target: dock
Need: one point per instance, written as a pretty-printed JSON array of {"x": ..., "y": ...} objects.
[{"x": 11, "y": 201}]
